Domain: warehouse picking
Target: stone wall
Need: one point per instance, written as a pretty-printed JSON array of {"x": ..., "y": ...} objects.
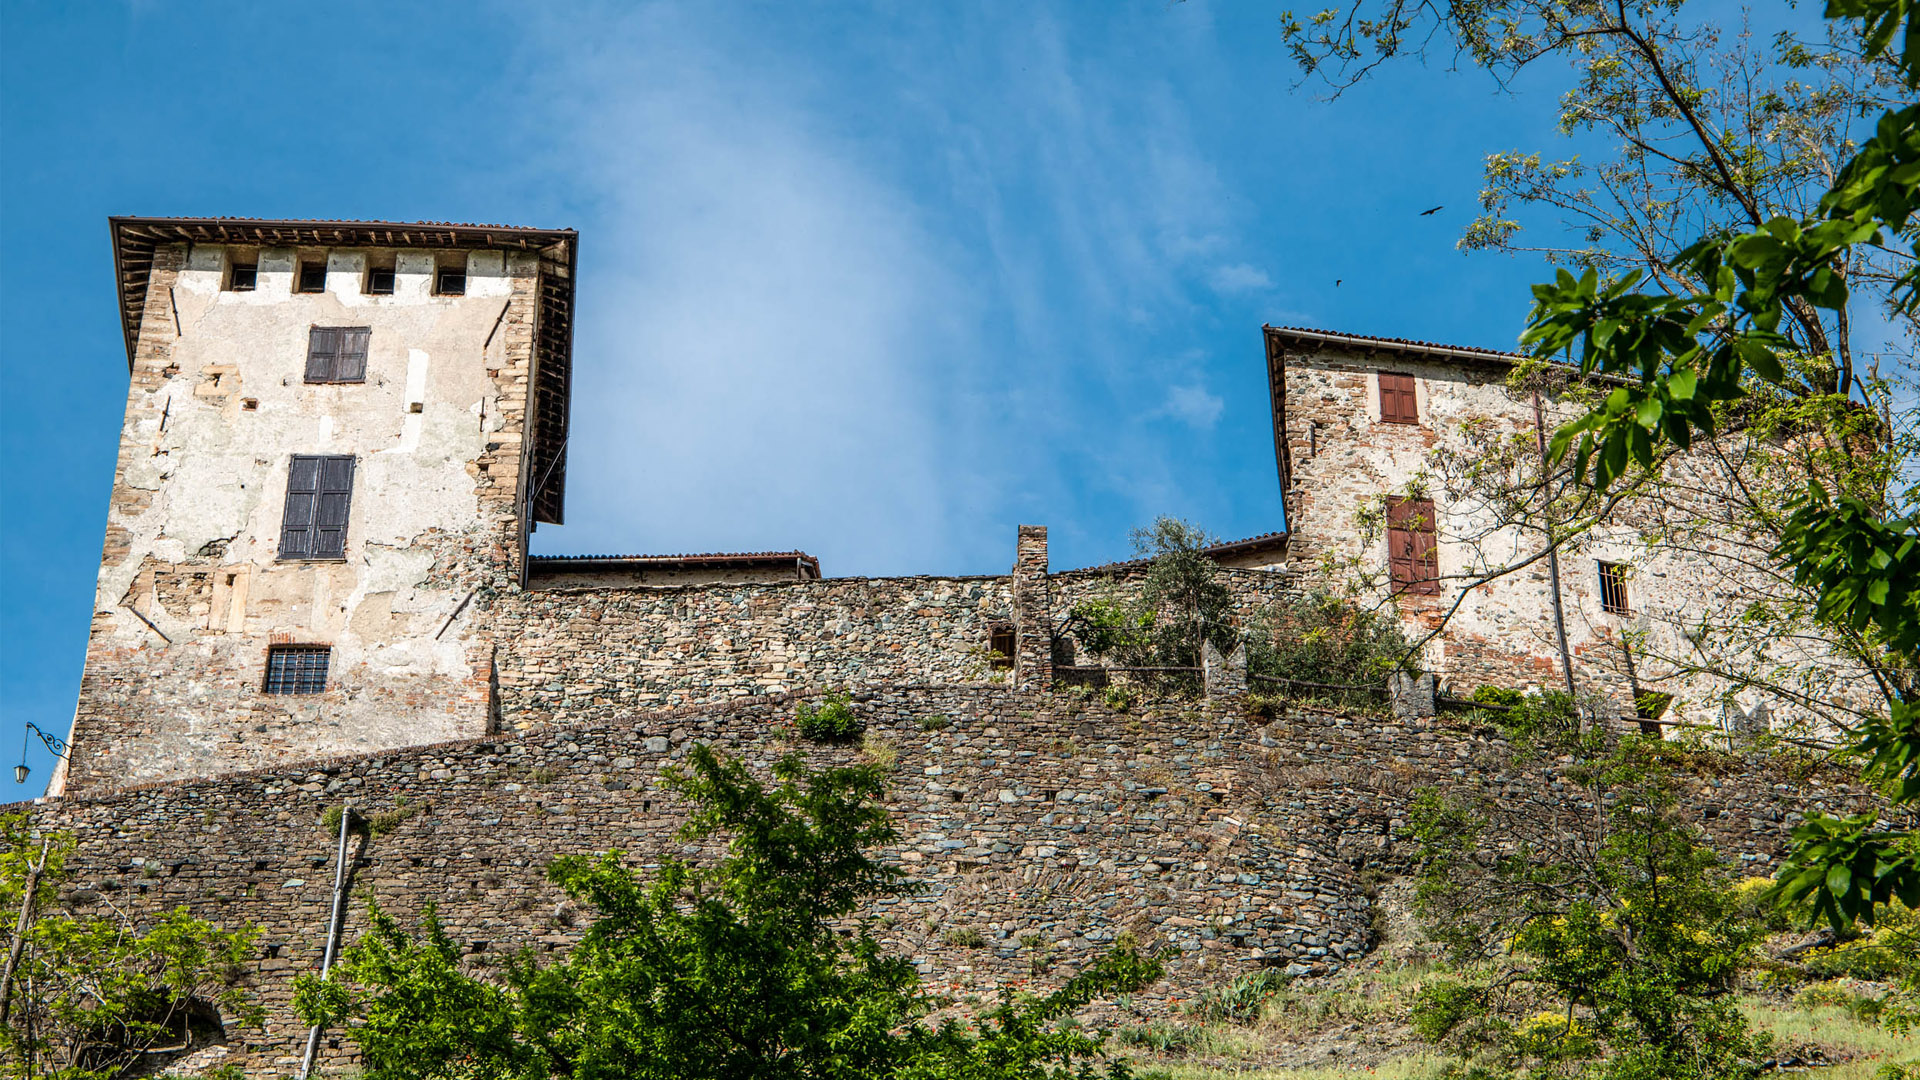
[{"x": 1239, "y": 843}]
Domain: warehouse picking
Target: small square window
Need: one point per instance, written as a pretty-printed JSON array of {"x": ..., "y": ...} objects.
[
  {"x": 1613, "y": 589},
  {"x": 241, "y": 277},
  {"x": 297, "y": 669},
  {"x": 1001, "y": 643},
  {"x": 380, "y": 280},
  {"x": 312, "y": 277},
  {"x": 450, "y": 279}
]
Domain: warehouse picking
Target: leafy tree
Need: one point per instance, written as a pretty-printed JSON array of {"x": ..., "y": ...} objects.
[
  {"x": 1179, "y": 603},
  {"x": 751, "y": 967},
  {"x": 1730, "y": 300},
  {"x": 94, "y": 997},
  {"x": 1605, "y": 948}
]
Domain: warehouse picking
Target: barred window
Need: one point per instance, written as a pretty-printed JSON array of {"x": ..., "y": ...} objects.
[
  {"x": 1613, "y": 589},
  {"x": 297, "y": 669}
]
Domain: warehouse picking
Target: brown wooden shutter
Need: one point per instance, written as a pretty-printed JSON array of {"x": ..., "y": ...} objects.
[
  {"x": 1412, "y": 553},
  {"x": 350, "y": 365},
  {"x": 319, "y": 498},
  {"x": 332, "y": 504},
  {"x": 1399, "y": 403},
  {"x": 323, "y": 351},
  {"x": 296, "y": 521}
]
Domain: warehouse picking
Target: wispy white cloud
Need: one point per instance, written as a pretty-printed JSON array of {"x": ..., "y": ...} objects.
[
  {"x": 1235, "y": 278},
  {"x": 884, "y": 334},
  {"x": 1194, "y": 406}
]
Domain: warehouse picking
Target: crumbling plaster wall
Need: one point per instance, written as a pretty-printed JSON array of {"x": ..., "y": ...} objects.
[
  {"x": 1237, "y": 841},
  {"x": 1345, "y": 461},
  {"x": 191, "y": 591}
]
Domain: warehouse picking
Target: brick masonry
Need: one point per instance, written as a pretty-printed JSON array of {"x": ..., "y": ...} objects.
[{"x": 1240, "y": 842}]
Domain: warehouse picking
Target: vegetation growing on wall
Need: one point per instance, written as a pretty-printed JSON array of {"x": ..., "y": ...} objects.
[
  {"x": 96, "y": 995},
  {"x": 740, "y": 968}
]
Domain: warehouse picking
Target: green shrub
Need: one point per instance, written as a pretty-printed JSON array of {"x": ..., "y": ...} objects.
[
  {"x": 1240, "y": 1001},
  {"x": 833, "y": 721},
  {"x": 1320, "y": 638}
]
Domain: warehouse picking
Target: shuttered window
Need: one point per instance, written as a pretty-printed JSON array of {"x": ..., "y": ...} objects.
[
  {"x": 319, "y": 493},
  {"x": 1398, "y": 402},
  {"x": 337, "y": 354},
  {"x": 1411, "y": 555}
]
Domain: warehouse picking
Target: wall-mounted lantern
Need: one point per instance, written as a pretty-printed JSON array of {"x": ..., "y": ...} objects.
[{"x": 56, "y": 746}]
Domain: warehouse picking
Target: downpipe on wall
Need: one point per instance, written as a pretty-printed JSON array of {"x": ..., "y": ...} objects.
[{"x": 333, "y": 929}]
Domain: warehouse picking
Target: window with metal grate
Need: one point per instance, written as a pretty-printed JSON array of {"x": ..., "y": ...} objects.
[
  {"x": 1613, "y": 589},
  {"x": 297, "y": 669}
]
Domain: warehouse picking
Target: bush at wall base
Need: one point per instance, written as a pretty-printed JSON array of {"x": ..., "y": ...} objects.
[{"x": 832, "y": 721}]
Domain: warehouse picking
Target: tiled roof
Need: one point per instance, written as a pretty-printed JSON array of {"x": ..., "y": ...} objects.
[
  {"x": 703, "y": 560},
  {"x": 1263, "y": 542},
  {"x": 1368, "y": 341}
]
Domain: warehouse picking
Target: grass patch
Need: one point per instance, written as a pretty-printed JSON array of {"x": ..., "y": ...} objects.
[{"x": 1834, "y": 1030}]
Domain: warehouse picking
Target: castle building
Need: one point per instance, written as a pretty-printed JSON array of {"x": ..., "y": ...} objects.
[{"x": 339, "y": 436}]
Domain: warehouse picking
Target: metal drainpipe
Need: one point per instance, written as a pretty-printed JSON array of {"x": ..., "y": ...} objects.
[
  {"x": 333, "y": 929},
  {"x": 1553, "y": 553}
]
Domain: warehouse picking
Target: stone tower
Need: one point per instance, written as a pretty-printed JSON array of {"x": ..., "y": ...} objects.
[{"x": 337, "y": 438}]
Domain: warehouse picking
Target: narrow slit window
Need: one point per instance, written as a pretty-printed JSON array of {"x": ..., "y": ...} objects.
[
  {"x": 1399, "y": 402},
  {"x": 319, "y": 498},
  {"x": 1613, "y": 589},
  {"x": 243, "y": 276},
  {"x": 297, "y": 669},
  {"x": 450, "y": 279},
  {"x": 1001, "y": 643},
  {"x": 1412, "y": 554},
  {"x": 312, "y": 276},
  {"x": 337, "y": 354}
]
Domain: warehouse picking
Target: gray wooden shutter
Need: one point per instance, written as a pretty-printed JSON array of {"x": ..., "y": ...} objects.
[
  {"x": 323, "y": 351},
  {"x": 334, "y": 500},
  {"x": 350, "y": 364},
  {"x": 296, "y": 522}
]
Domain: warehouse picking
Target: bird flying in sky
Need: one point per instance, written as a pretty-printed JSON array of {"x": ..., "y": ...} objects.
[{"x": 1435, "y": 210}]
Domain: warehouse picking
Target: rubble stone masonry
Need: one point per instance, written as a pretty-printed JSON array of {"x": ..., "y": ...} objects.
[{"x": 1048, "y": 824}]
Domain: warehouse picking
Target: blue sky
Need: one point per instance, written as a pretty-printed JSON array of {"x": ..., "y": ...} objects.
[{"x": 879, "y": 282}]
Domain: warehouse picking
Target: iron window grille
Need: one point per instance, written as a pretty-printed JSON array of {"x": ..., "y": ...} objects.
[
  {"x": 297, "y": 669},
  {"x": 1613, "y": 589}
]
